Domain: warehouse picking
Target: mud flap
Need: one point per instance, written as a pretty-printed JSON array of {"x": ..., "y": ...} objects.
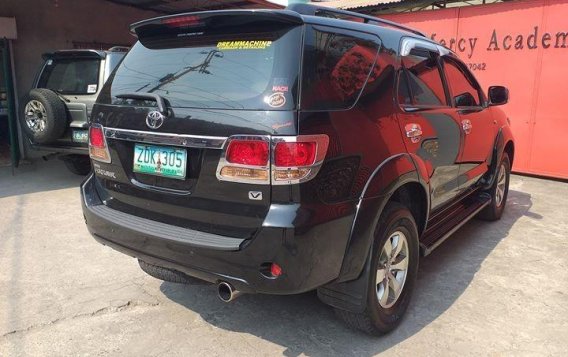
[{"x": 350, "y": 295}]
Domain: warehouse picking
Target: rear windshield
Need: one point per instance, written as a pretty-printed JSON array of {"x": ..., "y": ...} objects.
[
  {"x": 252, "y": 66},
  {"x": 71, "y": 75}
]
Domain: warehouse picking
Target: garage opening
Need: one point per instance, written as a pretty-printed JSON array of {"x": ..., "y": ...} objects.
[{"x": 5, "y": 159}]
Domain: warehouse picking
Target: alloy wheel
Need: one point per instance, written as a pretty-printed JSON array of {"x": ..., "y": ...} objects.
[
  {"x": 392, "y": 269},
  {"x": 36, "y": 116}
]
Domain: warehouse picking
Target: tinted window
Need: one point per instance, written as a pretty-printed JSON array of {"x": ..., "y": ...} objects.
[
  {"x": 70, "y": 75},
  {"x": 336, "y": 68},
  {"x": 245, "y": 70},
  {"x": 424, "y": 84},
  {"x": 462, "y": 88}
]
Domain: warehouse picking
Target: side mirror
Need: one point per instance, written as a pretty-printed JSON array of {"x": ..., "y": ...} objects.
[
  {"x": 465, "y": 100},
  {"x": 498, "y": 95}
]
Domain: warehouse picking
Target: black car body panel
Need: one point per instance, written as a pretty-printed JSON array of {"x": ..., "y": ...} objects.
[{"x": 319, "y": 231}]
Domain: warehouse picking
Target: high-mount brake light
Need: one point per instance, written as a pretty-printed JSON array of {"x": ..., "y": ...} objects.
[
  {"x": 180, "y": 21},
  {"x": 280, "y": 160},
  {"x": 98, "y": 149}
]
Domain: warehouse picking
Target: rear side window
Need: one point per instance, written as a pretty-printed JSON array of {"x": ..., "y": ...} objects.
[
  {"x": 245, "y": 65},
  {"x": 463, "y": 89},
  {"x": 420, "y": 82},
  {"x": 336, "y": 67},
  {"x": 70, "y": 75}
]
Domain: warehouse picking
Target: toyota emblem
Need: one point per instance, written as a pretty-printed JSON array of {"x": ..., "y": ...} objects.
[{"x": 155, "y": 119}]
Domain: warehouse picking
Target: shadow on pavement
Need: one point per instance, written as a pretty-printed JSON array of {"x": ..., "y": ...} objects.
[
  {"x": 38, "y": 176},
  {"x": 302, "y": 324}
]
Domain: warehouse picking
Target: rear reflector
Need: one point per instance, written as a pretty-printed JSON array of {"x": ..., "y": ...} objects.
[
  {"x": 275, "y": 270},
  {"x": 98, "y": 149}
]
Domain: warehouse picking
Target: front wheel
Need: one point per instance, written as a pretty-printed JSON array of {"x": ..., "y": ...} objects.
[
  {"x": 394, "y": 266},
  {"x": 499, "y": 192}
]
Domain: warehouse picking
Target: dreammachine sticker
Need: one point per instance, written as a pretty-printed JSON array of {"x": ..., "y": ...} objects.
[{"x": 243, "y": 45}]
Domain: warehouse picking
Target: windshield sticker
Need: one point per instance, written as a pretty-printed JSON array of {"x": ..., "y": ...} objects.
[
  {"x": 49, "y": 62},
  {"x": 243, "y": 45},
  {"x": 276, "y": 100},
  {"x": 92, "y": 88},
  {"x": 280, "y": 85}
]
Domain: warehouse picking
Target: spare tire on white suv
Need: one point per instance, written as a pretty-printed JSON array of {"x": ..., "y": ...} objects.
[{"x": 44, "y": 119}]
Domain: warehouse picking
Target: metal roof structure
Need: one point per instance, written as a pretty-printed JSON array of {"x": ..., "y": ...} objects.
[{"x": 178, "y": 6}]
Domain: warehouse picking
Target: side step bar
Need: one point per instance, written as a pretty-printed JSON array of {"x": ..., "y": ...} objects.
[{"x": 443, "y": 229}]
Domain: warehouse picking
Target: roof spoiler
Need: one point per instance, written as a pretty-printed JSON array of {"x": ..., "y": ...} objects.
[
  {"x": 74, "y": 54},
  {"x": 196, "y": 18},
  {"x": 313, "y": 10}
]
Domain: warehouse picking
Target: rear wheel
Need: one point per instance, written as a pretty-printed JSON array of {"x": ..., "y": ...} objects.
[
  {"x": 171, "y": 275},
  {"x": 394, "y": 266},
  {"x": 77, "y": 164},
  {"x": 499, "y": 192}
]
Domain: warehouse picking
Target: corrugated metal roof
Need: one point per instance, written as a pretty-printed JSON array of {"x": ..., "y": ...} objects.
[{"x": 353, "y": 4}]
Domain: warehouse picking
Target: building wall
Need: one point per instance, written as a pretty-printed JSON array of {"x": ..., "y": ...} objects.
[
  {"x": 524, "y": 46},
  {"x": 48, "y": 25}
]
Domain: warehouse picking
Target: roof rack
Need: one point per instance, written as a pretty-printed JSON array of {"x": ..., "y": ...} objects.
[{"x": 306, "y": 9}]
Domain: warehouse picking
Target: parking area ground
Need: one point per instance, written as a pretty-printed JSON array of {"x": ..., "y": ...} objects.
[{"x": 492, "y": 289}]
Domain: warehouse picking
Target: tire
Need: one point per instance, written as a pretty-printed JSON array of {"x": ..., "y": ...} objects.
[
  {"x": 499, "y": 192},
  {"x": 165, "y": 274},
  {"x": 77, "y": 164},
  {"x": 381, "y": 317},
  {"x": 44, "y": 118}
]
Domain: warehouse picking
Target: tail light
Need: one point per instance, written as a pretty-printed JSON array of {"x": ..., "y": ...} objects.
[
  {"x": 246, "y": 160},
  {"x": 295, "y": 159},
  {"x": 98, "y": 149}
]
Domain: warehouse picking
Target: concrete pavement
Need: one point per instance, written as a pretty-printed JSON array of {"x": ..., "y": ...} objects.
[{"x": 492, "y": 289}]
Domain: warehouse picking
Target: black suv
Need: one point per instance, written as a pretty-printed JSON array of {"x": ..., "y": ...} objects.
[{"x": 283, "y": 151}]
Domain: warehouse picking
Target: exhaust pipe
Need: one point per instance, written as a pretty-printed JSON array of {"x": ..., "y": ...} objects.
[{"x": 226, "y": 292}]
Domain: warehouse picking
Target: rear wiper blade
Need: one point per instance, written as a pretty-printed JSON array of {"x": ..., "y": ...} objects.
[{"x": 160, "y": 101}]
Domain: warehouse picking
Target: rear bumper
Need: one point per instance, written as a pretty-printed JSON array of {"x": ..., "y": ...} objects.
[
  {"x": 309, "y": 256},
  {"x": 62, "y": 149}
]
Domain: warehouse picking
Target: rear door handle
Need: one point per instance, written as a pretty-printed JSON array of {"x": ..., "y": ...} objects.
[
  {"x": 466, "y": 125},
  {"x": 414, "y": 132}
]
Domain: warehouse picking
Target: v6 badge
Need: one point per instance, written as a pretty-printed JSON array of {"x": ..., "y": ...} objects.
[{"x": 255, "y": 195}]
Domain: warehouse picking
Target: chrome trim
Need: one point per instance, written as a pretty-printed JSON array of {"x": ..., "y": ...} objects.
[
  {"x": 191, "y": 141},
  {"x": 409, "y": 43},
  {"x": 223, "y": 161},
  {"x": 160, "y": 189}
]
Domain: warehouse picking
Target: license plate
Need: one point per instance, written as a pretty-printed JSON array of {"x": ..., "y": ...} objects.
[
  {"x": 80, "y": 136},
  {"x": 160, "y": 161}
]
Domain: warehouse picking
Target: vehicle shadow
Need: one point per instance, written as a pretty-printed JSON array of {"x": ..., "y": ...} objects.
[
  {"x": 304, "y": 325},
  {"x": 37, "y": 176}
]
